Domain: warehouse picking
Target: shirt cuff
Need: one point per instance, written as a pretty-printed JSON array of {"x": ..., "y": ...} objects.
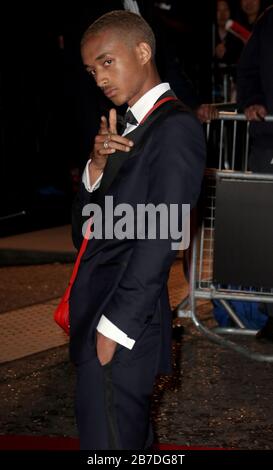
[
  {"x": 86, "y": 180},
  {"x": 108, "y": 329}
]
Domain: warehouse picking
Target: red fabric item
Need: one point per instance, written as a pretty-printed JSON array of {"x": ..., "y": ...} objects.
[
  {"x": 11, "y": 442},
  {"x": 238, "y": 30},
  {"x": 61, "y": 314}
]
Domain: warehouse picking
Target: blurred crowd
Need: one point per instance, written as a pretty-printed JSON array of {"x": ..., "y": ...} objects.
[{"x": 228, "y": 43}]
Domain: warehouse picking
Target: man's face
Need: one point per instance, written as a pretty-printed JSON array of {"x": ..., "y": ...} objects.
[
  {"x": 117, "y": 67},
  {"x": 223, "y": 13},
  {"x": 250, "y": 7}
]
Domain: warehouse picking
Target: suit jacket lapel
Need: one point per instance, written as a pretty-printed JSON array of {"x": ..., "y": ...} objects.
[
  {"x": 116, "y": 160},
  {"x": 115, "y": 163}
]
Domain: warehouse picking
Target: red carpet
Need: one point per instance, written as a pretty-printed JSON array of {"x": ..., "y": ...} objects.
[{"x": 66, "y": 443}]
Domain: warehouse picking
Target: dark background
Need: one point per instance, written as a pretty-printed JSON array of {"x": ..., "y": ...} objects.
[{"x": 49, "y": 108}]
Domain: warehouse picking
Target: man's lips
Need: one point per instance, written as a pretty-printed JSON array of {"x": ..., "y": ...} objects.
[{"x": 109, "y": 92}]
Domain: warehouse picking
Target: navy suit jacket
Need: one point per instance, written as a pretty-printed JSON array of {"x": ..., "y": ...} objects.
[{"x": 126, "y": 280}]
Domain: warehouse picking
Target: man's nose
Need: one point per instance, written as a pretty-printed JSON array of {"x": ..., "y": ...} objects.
[{"x": 102, "y": 79}]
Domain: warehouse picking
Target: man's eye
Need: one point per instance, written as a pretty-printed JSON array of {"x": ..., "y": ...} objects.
[
  {"x": 92, "y": 72},
  {"x": 108, "y": 62}
]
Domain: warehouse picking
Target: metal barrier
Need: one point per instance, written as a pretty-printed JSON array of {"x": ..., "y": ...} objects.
[{"x": 202, "y": 279}]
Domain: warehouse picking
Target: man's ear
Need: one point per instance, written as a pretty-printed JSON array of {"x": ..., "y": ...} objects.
[{"x": 144, "y": 52}]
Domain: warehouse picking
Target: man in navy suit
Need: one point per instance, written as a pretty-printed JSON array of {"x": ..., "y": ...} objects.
[{"x": 120, "y": 317}]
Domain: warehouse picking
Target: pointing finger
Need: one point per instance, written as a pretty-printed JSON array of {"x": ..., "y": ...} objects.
[{"x": 113, "y": 121}]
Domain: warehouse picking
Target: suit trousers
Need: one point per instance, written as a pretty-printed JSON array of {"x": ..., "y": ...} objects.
[{"x": 113, "y": 401}]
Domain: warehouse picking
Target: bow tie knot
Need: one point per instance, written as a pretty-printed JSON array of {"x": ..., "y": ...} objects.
[{"x": 129, "y": 118}]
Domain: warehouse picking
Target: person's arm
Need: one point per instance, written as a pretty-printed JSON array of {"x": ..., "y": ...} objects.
[
  {"x": 255, "y": 112},
  {"x": 90, "y": 187},
  {"x": 93, "y": 172},
  {"x": 82, "y": 198},
  {"x": 176, "y": 158},
  {"x": 206, "y": 112}
]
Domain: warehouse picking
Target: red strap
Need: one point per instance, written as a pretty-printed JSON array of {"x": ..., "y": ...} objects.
[
  {"x": 81, "y": 252},
  {"x": 159, "y": 103},
  {"x": 88, "y": 231}
]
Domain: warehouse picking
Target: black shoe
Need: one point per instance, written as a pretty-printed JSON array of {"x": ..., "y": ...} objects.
[{"x": 266, "y": 332}]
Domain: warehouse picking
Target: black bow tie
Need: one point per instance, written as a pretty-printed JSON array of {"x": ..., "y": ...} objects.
[{"x": 129, "y": 118}]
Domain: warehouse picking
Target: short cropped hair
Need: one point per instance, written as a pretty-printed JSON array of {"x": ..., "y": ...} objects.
[{"x": 130, "y": 26}]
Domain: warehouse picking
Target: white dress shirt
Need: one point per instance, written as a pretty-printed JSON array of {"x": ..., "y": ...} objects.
[{"x": 139, "y": 110}]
